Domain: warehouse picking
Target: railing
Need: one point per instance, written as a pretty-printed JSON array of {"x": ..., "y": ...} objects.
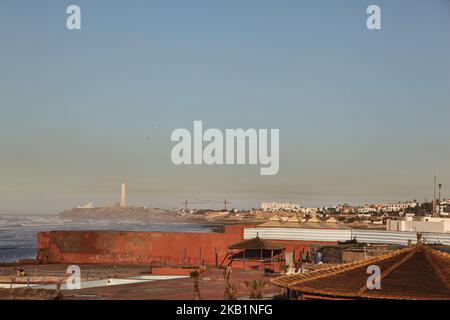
[{"x": 43, "y": 276}]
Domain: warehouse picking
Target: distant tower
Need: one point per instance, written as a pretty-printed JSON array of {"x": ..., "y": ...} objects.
[
  {"x": 434, "y": 194},
  {"x": 123, "y": 200},
  {"x": 225, "y": 202}
]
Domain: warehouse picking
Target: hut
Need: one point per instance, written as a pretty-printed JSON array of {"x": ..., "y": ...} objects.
[
  {"x": 275, "y": 218},
  {"x": 314, "y": 219},
  {"x": 256, "y": 253},
  {"x": 412, "y": 273},
  {"x": 331, "y": 220}
]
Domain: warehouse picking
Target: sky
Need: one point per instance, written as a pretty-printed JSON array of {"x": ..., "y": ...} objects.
[{"x": 363, "y": 114}]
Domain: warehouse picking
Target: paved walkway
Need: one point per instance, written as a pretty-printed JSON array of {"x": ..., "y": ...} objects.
[{"x": 212, "y": 287}]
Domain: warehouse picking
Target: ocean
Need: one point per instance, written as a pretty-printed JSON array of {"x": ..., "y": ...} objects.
[{"x": 18, "y": 232}]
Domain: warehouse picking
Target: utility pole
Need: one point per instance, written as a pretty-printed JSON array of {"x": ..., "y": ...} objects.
[
  {"x": 440, "y": 187},
  {"x": 225, "y": 202}
]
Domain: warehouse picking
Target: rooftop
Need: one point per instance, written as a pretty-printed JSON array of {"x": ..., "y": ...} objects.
[
  {"x": 256, "y": 244},
  {"x": 417, "y": 272},
  {"x": 303, "y": 225}
]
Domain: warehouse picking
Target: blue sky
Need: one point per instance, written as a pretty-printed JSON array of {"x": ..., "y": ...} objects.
[{"x": 363, "y": 115}]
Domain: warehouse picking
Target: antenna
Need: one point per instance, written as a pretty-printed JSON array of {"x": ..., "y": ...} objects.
[
  {"x": 434, "y": 193},
  {"x": 440, "y": 188},
  {"x": 225, "y": 202}
]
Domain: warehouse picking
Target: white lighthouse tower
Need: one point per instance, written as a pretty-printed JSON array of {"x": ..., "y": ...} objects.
[{"x": 123, "y": 200}]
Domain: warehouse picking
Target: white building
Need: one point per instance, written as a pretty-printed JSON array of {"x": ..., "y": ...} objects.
[
  {"x": 367, "y": 210},
  {"x": 89, "y": 205},
  {"x": 399, "y": 206},
  {"x": 423, "y": 224},
  {"x": 276, "y": 206},
  {"x": 308, "y": 210},
  {"x": 441, "y": 210}
]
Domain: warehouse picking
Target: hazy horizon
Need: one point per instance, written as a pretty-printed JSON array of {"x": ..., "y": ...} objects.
[{"x": 363, "y": 115}]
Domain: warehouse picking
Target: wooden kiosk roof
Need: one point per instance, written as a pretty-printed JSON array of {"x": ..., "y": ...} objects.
[
  {"x": 417, "y": 272},
  {"x": 256, "y": 244}
]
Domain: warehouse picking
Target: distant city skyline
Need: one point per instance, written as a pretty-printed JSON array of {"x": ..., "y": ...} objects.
[{"x": 363, "y": 114}]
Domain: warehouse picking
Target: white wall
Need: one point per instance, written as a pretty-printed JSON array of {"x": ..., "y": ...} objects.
[{"x": 418, "y": 226}]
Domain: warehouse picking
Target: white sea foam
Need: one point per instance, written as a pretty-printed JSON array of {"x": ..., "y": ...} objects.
[{"x": 18, "y": 233}]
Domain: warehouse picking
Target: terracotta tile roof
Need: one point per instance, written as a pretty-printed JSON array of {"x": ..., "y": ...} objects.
[{"x": 412, "y": 273}]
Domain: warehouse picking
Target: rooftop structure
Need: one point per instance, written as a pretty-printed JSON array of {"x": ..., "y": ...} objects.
[
  {"x": 256, "y": 244},
  {"x": 275, "y": 218},
  {"x": 417, "y": 272},
  {"x": 331, "y": 220},
  {"x": 314, "y": 219},
  {"x": 257, "y": 252},
  {"x": 423, "y": 224},
  {"x": 293, "y": 219}
]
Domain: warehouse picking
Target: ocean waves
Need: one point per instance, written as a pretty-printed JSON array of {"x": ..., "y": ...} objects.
[{"x": 18, "y": 233}]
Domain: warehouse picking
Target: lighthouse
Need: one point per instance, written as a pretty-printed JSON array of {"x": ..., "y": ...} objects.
[{"x": 123, "y": 201}]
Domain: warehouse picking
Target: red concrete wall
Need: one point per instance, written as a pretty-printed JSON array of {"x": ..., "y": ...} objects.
[
  {"x": 124, "y": 247},
  {"x": 134, "y": 247}
]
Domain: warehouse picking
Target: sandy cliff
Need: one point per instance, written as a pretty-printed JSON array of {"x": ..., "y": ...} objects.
[{"x": 115, "y": 212}]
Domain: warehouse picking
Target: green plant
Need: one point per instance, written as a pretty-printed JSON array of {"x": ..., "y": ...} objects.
[
  {"x": 256, "y": 288},
  {"x": 195, "y": 275},
  {"x": 230, "y": 288}
]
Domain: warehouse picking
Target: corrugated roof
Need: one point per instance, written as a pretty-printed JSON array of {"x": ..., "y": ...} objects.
[{"x": 304, "y": 225}]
